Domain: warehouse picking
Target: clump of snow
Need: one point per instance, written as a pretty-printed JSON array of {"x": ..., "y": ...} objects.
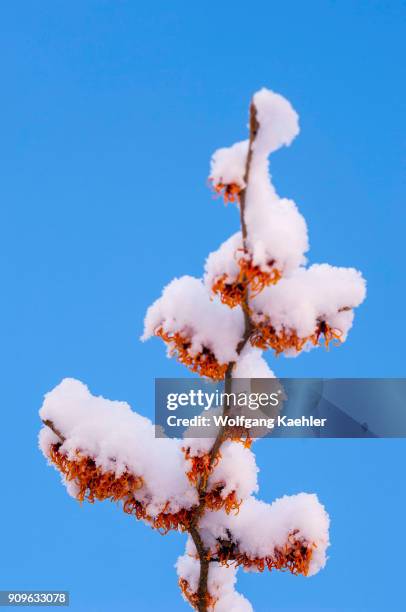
[
  {"x": 259, "y": 528},
  {"x": 228, "y": 164},
  {"x": 236, "y": 471},
  {"x": 188, "y": 568},
  {"x": 276, "y": 231},
  {"x": 319, "y": 293},
  {"x": 220, "y": 584},
  {"x": 118, "y": 440},
  {"x": 278, "y": 122},
  {"x": 185, "y": 307},
  {"x": 251, "y": 364},
  {"x": 233, "y": 602},
  {"x": 201, "y": 446},
  {"x": 224, "y": 261}
]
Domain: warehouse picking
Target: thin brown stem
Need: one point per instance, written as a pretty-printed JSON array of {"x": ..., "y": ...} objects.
[
  {"x": 52, "y": 427},
  {"x": 254, "y": 126},
  {"x": 202, "y": 551}
]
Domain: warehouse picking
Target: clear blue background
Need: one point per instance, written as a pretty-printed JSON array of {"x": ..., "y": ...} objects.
[{"x": 110, "y": 111}]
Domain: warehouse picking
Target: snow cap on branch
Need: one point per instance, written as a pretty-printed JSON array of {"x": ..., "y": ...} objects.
[
  {"x": 227, "y": 165},
  {"x": 118, "y": 440},
  {"x": 270, "y": 531},
  {"x": 220, "y": 586},
  {"x": 186, "y": 314},
  {"x": 236, "y": 471},
  {"x": 278, "y": 122},
  {"x": 300, "y": 303},
  {"x": 276, "y": 231},
  {"x": 224, "y": 261},
  {"x": 251, "y": 364}
]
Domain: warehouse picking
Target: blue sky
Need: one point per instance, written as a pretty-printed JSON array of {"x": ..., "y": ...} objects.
[{"x": 110, "y": 112}]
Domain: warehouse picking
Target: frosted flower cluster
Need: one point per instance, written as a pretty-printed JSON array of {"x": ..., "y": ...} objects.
[{"x": 121, "y": 441}]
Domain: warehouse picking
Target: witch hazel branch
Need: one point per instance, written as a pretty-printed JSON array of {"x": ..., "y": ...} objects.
[{"x": 257, "y": 293}]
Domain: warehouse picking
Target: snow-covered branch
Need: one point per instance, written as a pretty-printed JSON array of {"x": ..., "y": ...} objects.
[{"x": 257, "y": 293}]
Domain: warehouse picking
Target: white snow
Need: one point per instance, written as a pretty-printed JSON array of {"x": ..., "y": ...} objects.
[
  {"x": 259, "y": 527},
  {"x": 185, "y": 307},
  {"x": 320, "y": 292},
  {"x": 224, "y": 261},
  {"x": 278, "y": 121},
  {"x": 221, "y": 582},
  {"x": 236, "y": 470},
  {"x": 228, "y": 164},
  {"x": 277, "y": 232},
  {"x": 119, "y": 440},
  {"x": 251, "y": 364}
]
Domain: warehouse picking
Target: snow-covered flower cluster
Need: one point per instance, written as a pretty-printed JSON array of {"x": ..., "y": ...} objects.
[
  {"x": 311, "y": 302},
  {"x": 256, "y": 293},
  {"x": 293, "y": 534},
  {"x": 105, "y": 450},
  {"x": 204, "y": 333},
  {"x": 262, "y": 268}
]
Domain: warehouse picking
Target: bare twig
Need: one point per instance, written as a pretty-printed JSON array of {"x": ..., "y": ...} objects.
[{"x": 52, "y": 427}]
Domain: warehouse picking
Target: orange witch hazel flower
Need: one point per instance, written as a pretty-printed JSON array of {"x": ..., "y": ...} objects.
[
  {"x": 201, "y": 465},
  {"x": 229, "y": 192},
  {"x": 203, "y": 363},
  {"x": 256, "y": 278},
  {"x": 202, "y": 333},
  {"x": 256, "y": 294},
  {"x": 294, "y": 558},
  {"x": 273, "y": 545},
  {"x": 232, "y": 293},
  {"x": 230, "y": 503},
  {"x": 265, "y": 336},
  {"x": 91, "y": 481},
  {"x": 231, "y": 274},
  {"x": 192, "y": 596}
]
